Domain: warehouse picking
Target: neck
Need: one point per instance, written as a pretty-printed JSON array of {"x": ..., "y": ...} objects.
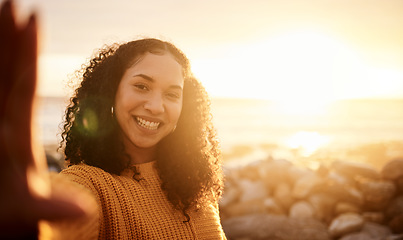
[{"x": 140, "y": 155}]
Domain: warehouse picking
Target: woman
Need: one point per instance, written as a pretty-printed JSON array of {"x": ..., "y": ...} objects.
[
  {"x": 138, "y": 135},
  {"x": 143, "y": 159}
]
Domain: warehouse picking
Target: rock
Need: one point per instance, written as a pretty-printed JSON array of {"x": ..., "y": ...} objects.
[
  {"x": 344, "y": 193},
  {"x": 374, "y": 217},
  {"x": 346, "y": 207},
  {"x": 304, "y": 203},
  {"x": 251, "y": 171},
  {"x": 394, "y": 237},
  {"x": 301, "y": 209},
  {"x": 396, "y": 224},
  {"x": 336, "y": 178},
  {"x": 395, "y": 208},
  {"x": 345, "y": 224},
  {"x": 377, "y": 193},
  {"x": 399, "y": 185},
  {"x": 393, "y": 169},
  {"x": 354, "y": 169},
  {"x": 306, "y": 185},
  {"x": 370, "y": 231},
  {"x": 259, "y": 227},
  {"x": 231, "y": 174},
  {"x": 252, "y": 190},
  {"x": 282, "y": 195},
  {"x": 323, "y": 206},
  {"x": 308, "y": 229},
  {"x": 294, "y": 173},
  {"x": 231, "y": 194},
  {"x": 322, "y": 170},
  {"x": 375, "y": 230},
  {"x": 257, "y": 206},
  {"x": 244, "y": 208},
  {"x": 272, "y": 207},
  {"x": 274, "y": 172},
  {"x": 353, "y": 195},
  {"x": 358, "y": 236},
  {"x": 342, "y": 189}
]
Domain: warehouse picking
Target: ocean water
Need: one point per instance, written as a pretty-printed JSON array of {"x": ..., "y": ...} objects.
[
  {"x": 48, "y": 117},
  {"x": 250, "y": 127},
  {"x": 368, "y": 131},
  {"x": 344, "y": 122}
]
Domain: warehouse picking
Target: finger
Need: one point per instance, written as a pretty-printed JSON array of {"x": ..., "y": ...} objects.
[
  {"x": 18, "y": 109},
  {"x": 8, "y": 31},
  {"x": 53, "y": 209},
  {"x": 67, "y": 200},
  {"x": 8, "y": 40},
  {"x": 25, "y": 71},
  {"x": 23, "y": 90}
]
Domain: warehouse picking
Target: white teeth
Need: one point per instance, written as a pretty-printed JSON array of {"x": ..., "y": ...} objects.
[{"x": 147, "y": 124}]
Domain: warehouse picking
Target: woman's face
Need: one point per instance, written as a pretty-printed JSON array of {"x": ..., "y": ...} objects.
[{"x": 148, "y": 100}]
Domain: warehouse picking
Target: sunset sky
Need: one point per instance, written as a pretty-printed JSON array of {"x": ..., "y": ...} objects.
[{"x": 272, "y": 49}]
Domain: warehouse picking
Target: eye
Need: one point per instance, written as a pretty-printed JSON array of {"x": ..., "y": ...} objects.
[
  {"x": 141, "y": 86},
  {"x": 173, "y": 95}
]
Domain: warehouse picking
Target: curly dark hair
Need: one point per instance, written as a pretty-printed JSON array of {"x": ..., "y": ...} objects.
[{"x": 188, "y": 160}]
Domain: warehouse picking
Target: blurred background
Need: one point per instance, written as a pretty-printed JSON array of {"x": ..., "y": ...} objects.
[{"x": 309, "y": 81}]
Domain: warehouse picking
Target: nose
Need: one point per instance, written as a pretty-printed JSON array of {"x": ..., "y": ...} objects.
[{"x": 155, "y": 104}]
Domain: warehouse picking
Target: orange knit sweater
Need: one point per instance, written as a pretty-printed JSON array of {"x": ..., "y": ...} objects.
[{"x": 130, "y": 209}]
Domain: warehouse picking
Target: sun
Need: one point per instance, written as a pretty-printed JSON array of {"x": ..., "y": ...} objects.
[
  {"x": 297, "y": 65},
  {"x": 301, "y": 70},
  {"x": 306, "y": 142},
  {"x": 304, "y": 67},
  {"x": 295, "y": 107}
]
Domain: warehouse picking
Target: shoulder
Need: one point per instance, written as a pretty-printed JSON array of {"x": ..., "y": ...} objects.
[
  {"x": 86, "y": 175},
  {"x": 82, "y": 168}
]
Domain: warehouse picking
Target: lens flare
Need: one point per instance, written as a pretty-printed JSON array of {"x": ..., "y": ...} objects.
[{"x": 307, "y": 142}]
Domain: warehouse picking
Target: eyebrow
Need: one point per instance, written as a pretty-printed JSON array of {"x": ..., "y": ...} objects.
[{"x": 150, "y": 79}]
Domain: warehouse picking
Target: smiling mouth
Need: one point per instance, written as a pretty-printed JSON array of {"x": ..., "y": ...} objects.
[{"x": 147, "y": 124}]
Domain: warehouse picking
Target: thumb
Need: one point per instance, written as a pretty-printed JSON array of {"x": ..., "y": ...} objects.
[
  {"x": 56, "y": 208},
  {"x": 67, "y": 200}
]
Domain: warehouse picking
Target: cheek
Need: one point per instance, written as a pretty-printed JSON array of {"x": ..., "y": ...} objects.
[
  {"x": 176, "y": 111},
  {"x": 125, "y": 99},
  {"x": 122, "y": 106}
]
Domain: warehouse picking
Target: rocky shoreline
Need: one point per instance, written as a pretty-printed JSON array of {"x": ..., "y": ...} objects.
[{"x": 275, "y": 199}]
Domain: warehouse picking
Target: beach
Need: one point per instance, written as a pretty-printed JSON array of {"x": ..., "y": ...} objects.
[
  {"x": 249, "y": 130},
  {"x": 325, "y": 173}
]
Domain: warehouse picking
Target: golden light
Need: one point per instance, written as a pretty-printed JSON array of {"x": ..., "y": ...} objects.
[
  {"x": 54, "y": 71},
  {"x": 306, "y": 142},
  {"x": 302, "y": 70},
  {"x": 298, "y": 65},
  {"x": 302, "y": 107}
]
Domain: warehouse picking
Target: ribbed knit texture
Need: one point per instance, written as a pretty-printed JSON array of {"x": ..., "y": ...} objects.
[{"x": 131, "y": 209}]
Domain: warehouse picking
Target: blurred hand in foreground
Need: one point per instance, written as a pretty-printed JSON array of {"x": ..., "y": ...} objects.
[{"x": 26, "y": 196}]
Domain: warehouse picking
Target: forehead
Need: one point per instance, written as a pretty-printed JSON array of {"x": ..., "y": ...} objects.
[{"x": 157, "y": 65}]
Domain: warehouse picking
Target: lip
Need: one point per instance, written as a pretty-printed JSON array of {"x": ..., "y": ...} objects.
[{"x": 151, "y": 121}]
